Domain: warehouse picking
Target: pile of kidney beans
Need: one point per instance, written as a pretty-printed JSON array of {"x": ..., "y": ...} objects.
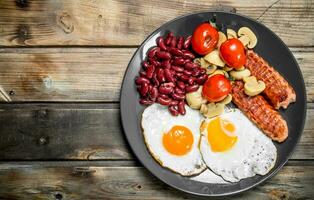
[{"x": 169, "y": 73}]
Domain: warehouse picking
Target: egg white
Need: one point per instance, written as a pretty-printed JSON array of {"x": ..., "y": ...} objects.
[
  {"x": 156, "y": 120},
  {"x": 253, "y": 153}
]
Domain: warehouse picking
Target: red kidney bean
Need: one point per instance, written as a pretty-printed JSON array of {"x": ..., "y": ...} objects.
[
  {"x": 201, "y": 79},
  {"x": 150, "y": 71},
  {"x": 164, "y": 101},
  {"x": 175, "y": 51},
  {"x": 145, "y": 65},
  {"x": 163, "y": 55},
  {"x": 164, "y": 96},
  {"x": 165, "y": 90},
  {"x": 178, "y": 61},
  {"x": 142, "y": 74},
  {"x": 168, "y": 38},
  {"x": 184, "y": 78},
  {"x": 179, "y": 74},
  {"x": 181, "y": 107},
  {"x": 202, "y": 71},
  {"x": 153, "y": 93},
  {"x": 196, "y": 71},
  {"x": 161, "y": 75},
  {"x": 187, "y": 42},
  {"x": 161, "y": 43},
  {"x": 188, "y": 73},
  {"x": 191, "y": 80},
  {"x": 179, "y": 91},
  {"x": 166, "y": 64},
  {"x": 177, "y": 96},
  {"x": 141, "y": 80},
  {"x": 154, "y": 62},
  {"x": 146, "y": 102},
  {"x": 177, "y": 68},
  {"x": 190, "y": 65},
  {"x": 169, "y": 76},
  {"x": 180, "y": 85},
  {"x": 173, "y": 110},
  {"x": 174, "y": 102},
  {"x": 173, "y": 42},
  {"x": 144, "y": 89},
  {"x": 151, "y": 53},
  {"x": 169, "y": 84},
  {"x": 187, "y": 54},
  {"x": 191, "y": 88},
  {"x": 155, "y": 80},
  {"x": 180, "y": 42}
]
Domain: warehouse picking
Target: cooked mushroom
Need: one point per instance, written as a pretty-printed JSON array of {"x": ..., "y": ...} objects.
[
  {"x": 195, "y": 99},
  {"x": 212, "y": 109},
  {"x": 240, "y": 69},
  {"x": 204, "y": 63},
  {"x": 245, "y": 31},
  {"x": 211, "y": 69},
  {"x": 245, "y": 40},
  {"x": 253, "y": 87},
  {"x": 214, "y": 58},
  {"x": 222, "y": 38},
  {"x": 197, "y": 60},
  {"x": 231, "y": 33},
  {"x": 239, "y": 75},
  {"x": 219, "y": 71},
  {"x": 226, "y": 100},
  {"x": 227, "y": 69}
]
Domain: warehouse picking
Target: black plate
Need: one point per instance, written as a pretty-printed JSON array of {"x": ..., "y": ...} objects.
[{"x": 269, "y": 46}]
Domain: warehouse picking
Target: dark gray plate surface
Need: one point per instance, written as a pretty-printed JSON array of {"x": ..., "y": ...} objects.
[{"x": 269, "y": 46}]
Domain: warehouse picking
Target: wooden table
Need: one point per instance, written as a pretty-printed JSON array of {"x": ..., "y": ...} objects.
[{"x": 62, "y": 63}]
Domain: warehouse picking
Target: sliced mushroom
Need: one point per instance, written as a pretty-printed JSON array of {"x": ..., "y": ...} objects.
[
  {"x": 219, "y": 71},
  {"x": 245, "y": 40},
  {"x": 204, "y": 63},
  {"x": 253, "y": 87},
  {"x": 249, "y": 33},
  {"x": 239, "y": 75},
  {"x": 211, "y": 69},
  {"x": 226, "y": 100},
  {"x": 212, "y": 109},
  {"x": 222, "y": 38},
  {"x": 227, "y": 69},
  {"x": 231, "y": 33},
  {"x": 195, "y": 99},
  {"x": 197, "y": 60},
  {"x": 214, "y": 58}
]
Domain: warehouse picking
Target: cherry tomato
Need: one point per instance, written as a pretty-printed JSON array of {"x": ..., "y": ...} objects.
[
  {"x": 216, "y": 88},
  {"x": 233, "y": 53},
  {"x": 204, "y": 39}
]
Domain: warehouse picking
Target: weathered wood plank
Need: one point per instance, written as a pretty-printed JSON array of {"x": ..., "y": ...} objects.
[
  {"x": 128, "y": 22},
  {"x": 82, "y": 132},
  {"x": 38, "y": 182},
  {"x": 81, "y": 74}
]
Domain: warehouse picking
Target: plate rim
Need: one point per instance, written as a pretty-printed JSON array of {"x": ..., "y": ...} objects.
[{"x": 265, "y": 177}]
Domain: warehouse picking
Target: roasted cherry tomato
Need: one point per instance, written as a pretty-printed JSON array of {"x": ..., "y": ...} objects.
[
  {"x": 204, "y": 39},
  {"x": 216, "y": 88},
  {"x": 233, "y": 53}
]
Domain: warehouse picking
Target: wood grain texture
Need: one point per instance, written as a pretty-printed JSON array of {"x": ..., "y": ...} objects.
[
  {"x": 114, "y": 22},
  {"x": 74, "y": 182},
  {"x": 82, "y": 132},
  {"x": 85, "y": 74}
]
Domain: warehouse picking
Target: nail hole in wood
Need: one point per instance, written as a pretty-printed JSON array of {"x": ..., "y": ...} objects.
[
  {"x": 58, "y": 196},
  {"x": 139, "y": 187},
  {"x": 43, "y": 140},
  {"x": 22, "y": 3},
  {"x": 12, "y": 92}
]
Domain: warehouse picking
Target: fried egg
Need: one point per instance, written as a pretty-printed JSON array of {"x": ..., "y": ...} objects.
[
  {"x": 173, "y": 141},
  {"x": 234, "y": 148}
]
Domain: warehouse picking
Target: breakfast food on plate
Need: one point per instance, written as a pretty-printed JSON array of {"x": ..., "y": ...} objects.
[
  {"x": 234, "y": 148},
  {"x": 173, "y": 141},
  {"x": 278, "y": 90},
  {"x": 259, "y": 111},
  {"x": 208, "y": 71}
]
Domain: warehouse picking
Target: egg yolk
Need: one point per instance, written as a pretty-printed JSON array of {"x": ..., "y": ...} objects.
[
  {"x": 178, "y": 140},
  {"x": 220, "y": 135}
]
